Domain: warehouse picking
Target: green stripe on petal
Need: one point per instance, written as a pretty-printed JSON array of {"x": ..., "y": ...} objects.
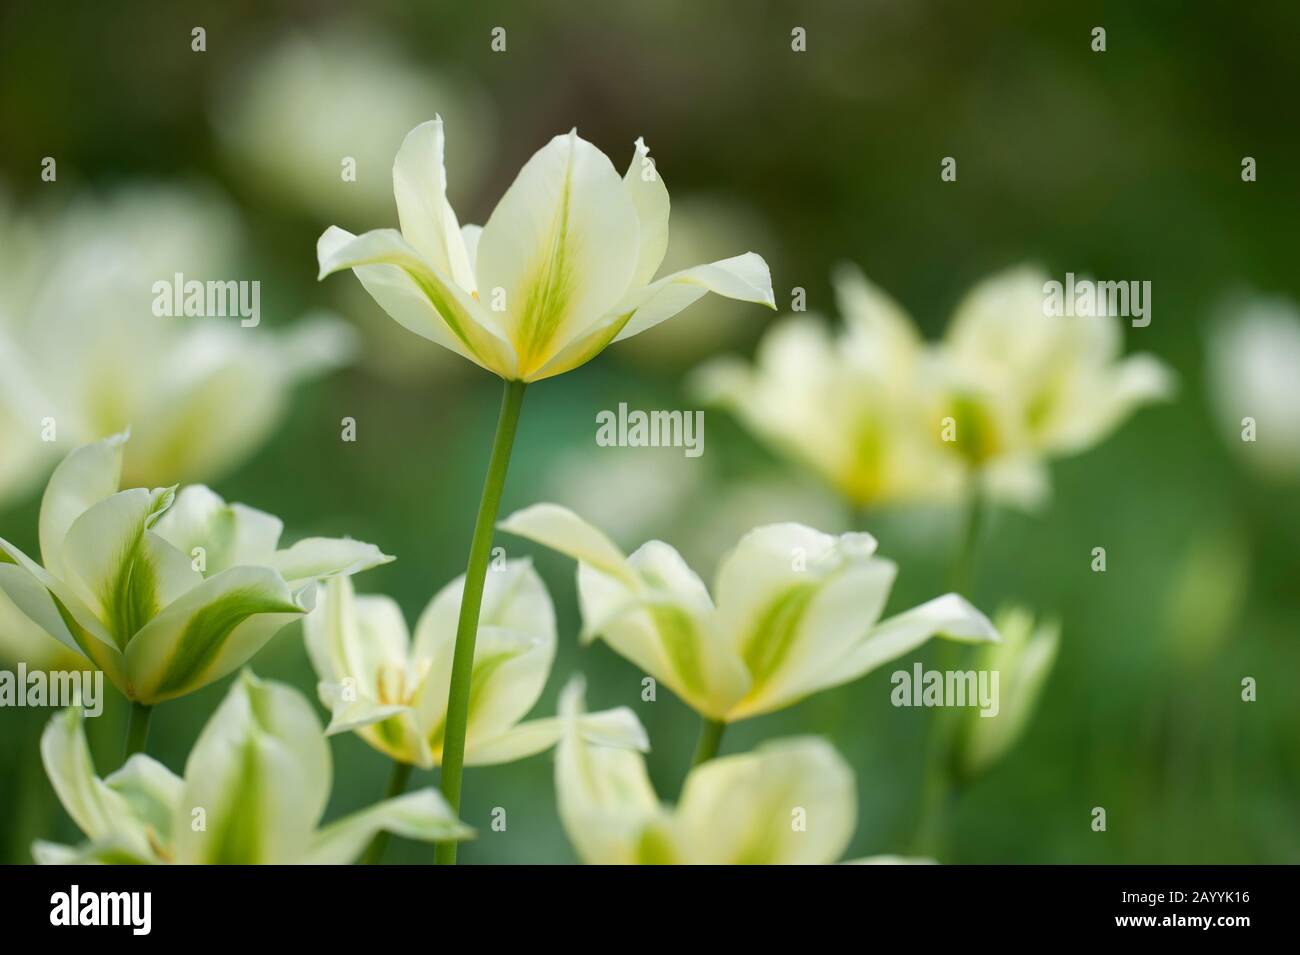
[
  {"x": 213, "y": 629},
  {"x": 258, "y": 777}
]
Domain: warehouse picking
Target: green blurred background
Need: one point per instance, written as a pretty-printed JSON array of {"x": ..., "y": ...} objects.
[{"x": 1124, "y": 164}]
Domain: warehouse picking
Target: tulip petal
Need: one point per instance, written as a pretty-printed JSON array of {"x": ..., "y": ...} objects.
[
  {"x": 789, "y": 802},
  {"x": 950, "y": 616},
  {"x": 562, "y": 244},
  {"x": 85, "y": 630},
  {"x": 86, "y": 476},
  {"x": 470, "y": 234},
  {"x": 743, "y": 277},
  {"x": 606, "y": 803},
  {"x": 617, "y": 727},
  {"x": 124, "y": 573},
  {"x": 210, "y": 631},
  {"x": 260, "y": 773},
  {"x": 227, "y": 535},
  {"x": 316, "y": 558},
  {"x": 793, "y": 603},
  {"x": 427, "y": 219},
  {"x": 650, "y": 197},
  {"x": 357, "y": 638},
  {"x": 100, "y": 811},
  {"x": 513, "y": 652},
  {"x": 560, "y": 529},
  {"x": 423, "y": 815},
  {"x": 432, "y": 306},
  {"x": 106, "y": 852}
]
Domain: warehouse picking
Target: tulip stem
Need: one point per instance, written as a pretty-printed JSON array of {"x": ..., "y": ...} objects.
[
  {"x": 710, "y": 739},
  {"x": 462, "y": 665},
  {"x": 963, "y": 568},
  {"x": 396, "y": 786},
  {"x": 137, "y": 729}
]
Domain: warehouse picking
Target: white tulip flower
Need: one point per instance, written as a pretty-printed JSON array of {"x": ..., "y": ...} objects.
[
  {"x": 254, "y": 790},
  {"x": 848, "y": 406},
  {"x": 83, "y": 356},
  {"x": 791, "y": 801},
  {"x": 392, "y": 690},
  {"x": 164, "y": 591},
  {"x": 887, "y": 417},
  {"x": 1021, "y": 386},
  {"x": 1023, "y": 659},
  {"x": 563, "y": 268},
  {"x": 793, "y": 611}
]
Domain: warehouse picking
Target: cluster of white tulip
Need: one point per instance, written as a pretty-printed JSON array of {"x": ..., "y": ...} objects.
[
  {"x": 167, "y": 591},
  {"x": 886, "y": 417}
]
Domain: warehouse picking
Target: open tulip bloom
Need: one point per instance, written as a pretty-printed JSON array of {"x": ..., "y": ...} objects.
[
  {"x": 254, "y": 790},
  {"x": 564, "y": 267},
  {"x": 164, "y": 591},
  {"x": 888, "y": 417},
  {"x": 392, "y": 690},
  {"x": 793, "y": 611},
  {"x": 791, "y": 801}
]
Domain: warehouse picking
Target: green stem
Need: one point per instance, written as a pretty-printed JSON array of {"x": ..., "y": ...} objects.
[
  {"x": 938, "y": 786},
  {"x": 462, "y": 665},
  {"x": 396, "y": 786},
  {"x": 710, "y": 739},
  {"x": 963, "y": 568},
  {"x": 137, "y": 729}
]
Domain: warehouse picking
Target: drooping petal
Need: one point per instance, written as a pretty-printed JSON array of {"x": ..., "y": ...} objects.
[
  {"x": 431, "y": 305},
  {"x": 210, "y": 631},
  {"x": 650, "y": 198},
  {"x": 86, "y": 476},
  {"x": 427, "y": 219},
  {"x": 260, "y": 774},
  {"x": 950, "y": 616},
  {"x": 743, "y": 277},
  {"x": 318, "y": 558},
  {"x": 617, "y": 727},
  {"x": 422, "y": 815},
  {"x": 789, "y": 802},
  {"x": 560, "y": 529},
  {"x": 608, "y": 808},
  {"x": 562, "y": 245},
  {"x": 201, "y": 524}
]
